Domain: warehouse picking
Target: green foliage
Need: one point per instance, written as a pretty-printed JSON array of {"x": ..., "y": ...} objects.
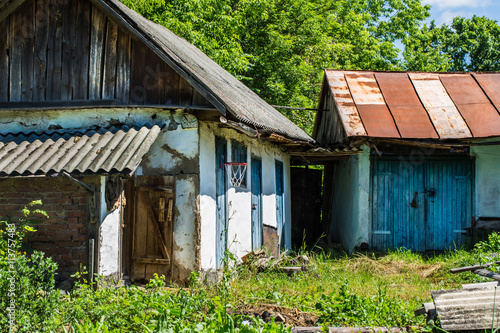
[
  {"x": 491, "y": 246},
  {"x": 346, "y": 308},
  {"x": 280, "y": 48},
  {"x": 26, "y": 281}
]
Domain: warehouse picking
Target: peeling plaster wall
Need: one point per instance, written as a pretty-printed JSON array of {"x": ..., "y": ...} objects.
[
  {"x": 239, "y": 200},
  {"x": 174, "y": 153},
  {"x": 351, "y": 223},
  {"x": 487, "y": 181}
]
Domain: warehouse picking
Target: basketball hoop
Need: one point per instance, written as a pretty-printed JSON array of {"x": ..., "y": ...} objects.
[{"x": 236, "y": 172}]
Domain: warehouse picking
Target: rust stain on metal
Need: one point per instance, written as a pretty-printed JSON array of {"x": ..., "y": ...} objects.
[
  {"x": 490, "y": 83},
  {"x": 364, "y": 89},
  {"x": 444, "y": 115},
  {"x": 482, "y": 118},
  {"x": 345, "y": 104},
  {"x": 411, "y": 118},
  {"x": 371, "y": 106}
]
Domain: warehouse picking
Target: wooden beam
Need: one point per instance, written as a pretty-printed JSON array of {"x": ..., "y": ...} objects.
[
  {"x": 9, "y": 8},
  {"x": 155, "y": 261}
]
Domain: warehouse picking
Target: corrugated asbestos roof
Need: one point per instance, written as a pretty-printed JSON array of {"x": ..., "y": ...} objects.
[
  {"x": 100, "y": 151},
  {"x": 239, "y": 100},
  {"x": 467, "y": 309},
  {"x": 416, "y": 105}
]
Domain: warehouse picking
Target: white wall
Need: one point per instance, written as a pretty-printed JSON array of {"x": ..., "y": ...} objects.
[
  {"x": 351, "y": 201},
  {"x": 175, "y": 152},
  {"x": 487, "y": 181},
  {"x": 239, "y": 200}
]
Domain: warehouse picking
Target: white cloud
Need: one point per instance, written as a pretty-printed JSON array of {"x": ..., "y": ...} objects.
[
  {"x": 448, "y": 15},
  {"x": 449, "y": 4}
]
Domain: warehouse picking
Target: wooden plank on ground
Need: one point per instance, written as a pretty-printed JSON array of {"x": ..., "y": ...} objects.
[{"x": 488, "y": 274}]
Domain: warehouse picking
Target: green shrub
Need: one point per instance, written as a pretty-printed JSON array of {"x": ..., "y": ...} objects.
[{"x": 27, "y": 296}]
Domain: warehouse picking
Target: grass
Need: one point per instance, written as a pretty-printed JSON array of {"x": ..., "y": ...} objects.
[
  {"x": 364, "y": 289},
  {"x": 400, "y": 279}
]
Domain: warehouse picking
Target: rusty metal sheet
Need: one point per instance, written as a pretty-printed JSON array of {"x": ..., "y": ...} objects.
[
  {"x": 364, "y": 89},
  {"x": 378, "y": 121},
  {"x": 372, "y": 109},
  {"x": 490, "y": 83},
  {"x": 475, "y": 107},
  {"x": 410, "y": 116},
  {"x": 345, "y": 104},
  {"x": 447, "y": 121}
]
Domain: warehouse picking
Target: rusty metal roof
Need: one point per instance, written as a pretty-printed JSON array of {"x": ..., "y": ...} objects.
[
  {"x": 400, "y": 105},
  {"x": 95, "y": 151}
]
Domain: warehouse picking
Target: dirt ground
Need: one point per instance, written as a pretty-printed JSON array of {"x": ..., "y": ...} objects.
[{"x": 288, "y": 316}]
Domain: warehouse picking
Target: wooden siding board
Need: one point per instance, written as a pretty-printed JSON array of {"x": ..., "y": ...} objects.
[
  {"x": 348, "y": 113},
  {"x": 409, "y": 114},
  {"x": 28, "y": 45},
  {"x": 15, "y": 56},
  {"x": 4, "y": 61},
  {"x": 110, "y": 60},
  {"x": 68, "y": 50},
  {"x": 444, "y": 115},
  {"x": 98, "y": 22},
  {"x": 137, "y": 89},
  {"x": 80, "y": 66},
  {"x": 54, "y": 59},
  {"x": 481, "y": 116},
  {"x": 123, "y": 67},
  {"x": 40, "y": 56}
]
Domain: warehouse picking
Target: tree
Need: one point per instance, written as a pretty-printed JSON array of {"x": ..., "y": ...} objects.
[{"x": 279, "y": 48}]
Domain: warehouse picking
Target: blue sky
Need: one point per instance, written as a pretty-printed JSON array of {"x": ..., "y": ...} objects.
[{"x": 443, "y": 11}]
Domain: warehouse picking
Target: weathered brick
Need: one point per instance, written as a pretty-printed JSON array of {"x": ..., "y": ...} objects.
[
  {"x": 56, "y": 226},
  {"x": 77, "y": 214},
  {"x": 79, "y": 238},
  {"x": 75, "y": 226}
]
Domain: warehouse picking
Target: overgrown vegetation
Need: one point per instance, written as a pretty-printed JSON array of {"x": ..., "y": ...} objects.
[{"x": 335, "y": 290}]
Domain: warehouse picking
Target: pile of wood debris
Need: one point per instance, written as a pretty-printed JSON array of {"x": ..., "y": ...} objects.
[{"x": 261, "y": 261}]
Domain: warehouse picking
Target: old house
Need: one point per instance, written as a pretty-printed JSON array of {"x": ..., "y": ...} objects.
[
  {"x": 126, "y": 133},
  {"x": 422, "y": 155}
]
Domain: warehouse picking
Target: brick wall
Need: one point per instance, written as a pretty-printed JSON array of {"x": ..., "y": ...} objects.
[{"x": 63, "y": 236}]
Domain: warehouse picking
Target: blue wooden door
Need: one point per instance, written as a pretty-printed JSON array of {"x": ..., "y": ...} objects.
[
  {"x": 256, "y": 204},
  {"x": 280, "y": 222},
  {"x": 420, "y": 205},
  {"x": 448, "y": 185},
  {"x": 220, "y": 193}
]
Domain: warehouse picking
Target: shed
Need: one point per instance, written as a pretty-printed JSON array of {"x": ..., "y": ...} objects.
[
  {"x": 425, "y": 175},
  {"x": 123, "y": 130}
]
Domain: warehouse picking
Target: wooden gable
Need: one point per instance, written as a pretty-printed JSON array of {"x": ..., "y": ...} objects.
[{"x": 71, "y": 51}]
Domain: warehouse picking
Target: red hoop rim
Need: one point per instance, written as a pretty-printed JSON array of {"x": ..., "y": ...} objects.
[{"x": 234, "y": 163}]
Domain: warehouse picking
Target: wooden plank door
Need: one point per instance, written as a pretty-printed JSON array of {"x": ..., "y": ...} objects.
[
  {"x": 448, "y": 199},
  {"x": 153, "y": 227},
  {"x": 256, "y": 204},
  {"x": 221, "y": 188},
  {"x": 280, "y": 221}
]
